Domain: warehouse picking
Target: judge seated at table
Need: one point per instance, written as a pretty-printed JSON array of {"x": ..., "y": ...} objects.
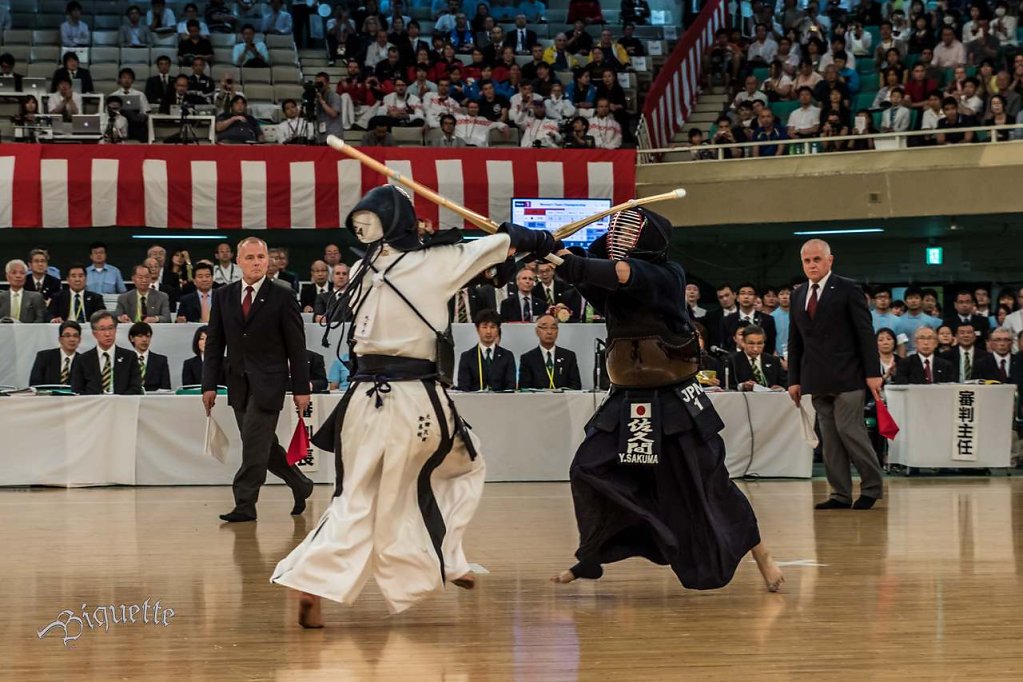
[
  {"x": 925, "y": 367},
  {"x": 549, "y": 366},
  {"x": 317, "y": 372},
  {"x": 487, "y": 366},
  {"x": 153, "y": 367},
  {"x": 53, "y": 366},
  {"x": 1001, "y": 365},
  {"x": 191, "y": 370},
  {"x": 751, "y": 367},
  {"x": 965, "y": 356},
  {"x": 106, "y": 369}
]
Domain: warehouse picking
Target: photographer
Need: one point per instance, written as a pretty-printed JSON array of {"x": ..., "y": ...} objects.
[
  {"x": 538, "y": 131},
  {"x": 724, "y": 135},
  {"x": 294, "y": 129},
  {"x": 328, "y": 109},
  {"x": 578, "y": 135},
  {"x": 115, "y": 126},
  {"x": 227, "y": 91}
]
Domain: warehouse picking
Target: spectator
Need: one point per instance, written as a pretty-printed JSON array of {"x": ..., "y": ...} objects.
[
  {"x": 1013, "y": 100},
  {"x": 194, "y": 46},
  {"x": 965, "y": 355},
  {"x": 342, "y": 38},
  {"x": 768, "y": 132},
  {"x": 778, "y": 84},
  {"x": 72, "y": 71},
  {"x": 954, "y": 119},
  {"x": 5, "y": 19},
  {"x": 74, "y": 32},
  {"x": 379, "y": 133},
  {"x": 780, "y": 315},
  {"x": 294, "y": 129},
  {"x": 440, "y": 103},
  {"x": 106, "y": 369},
  {"x": 969, "y": 103},
  {"x": 697, "y": 146},
  {"x": 224, "y": 269},
  {"x": 693, "y": 301},
  {"x": 319, "y": 284},
  {"x": 101, "y": 277},
  {"x": 548, "y": 366},
  {"x": 863, "y": 126},
  {"x": 559, "y": 56},
  {"x": 763, "y": 49},
  {"x": 746, "y": 312},
  {"x": 277, "y": 21},
  {"x": 236, "y": 126},
  {"x": 219, "y": 17},
  {"x": 1014, "y": 321},
  {"x": 487, "y": 366},
  {"x": 831, "y": 81},
  {"x": 154, "y": 369},
  {"x": 579, "y": 134},
  {"x": 160, "y": 19},
  {"x": 896, "y": 118},
  {"x": 461, "y": 36},
  {"x": 557, "y": 105},
  {"x": 950, "y": 53},
  {"x": 39, "y": 280},
  {"x": 195, "y": 306},
  {"x": 143, "y": 304},
  {"x": 751, "y": 92},
  {"x": 160, "y": 85},
  {"x": 882, "y": 315},
  {"x": 7, "y": 69},
  {"x": 1000, "y": 364},
  {"x": 806, "y": 77},
  {"x": 752, "y": 367},
  {"x": 328, "y": 109},
  {"x": 134, "y": 32},
  {"x": 446, "y": 136},
  {"x": 53, "y": 366},
  {"x": 924, "y": 367},
  {"x": 890, "y": 361},
  {"x": 1004, "y": 26},
  {"x": 475, "y": 129},
  {"x": 805, "y": 121},
  {"x": 848, "y": 74},
  {"x": 18, "y": 303},
  {"x": 887, "y": 42},
  {"x": 915, "y": 317},
  {"x": 859, "y": 41},
  {"x": 520, "y": 38},
  {"x": 634, "y": 12},
  {"x": 325, "y": 302},
  {"x": 606, "y": 131},
  {"x": 191, "y": 370},
  {"x": 400, "y": 108},
  {"x": 200, "y": 86},
  {"x": 223, "y": 95},
  {"x": 250, "y": 53},
  {"x": 74, "y": 303},
  {"x": 965, "y": 314},
  {"x": 985, "y": 47},
  {"x": 613, "y": 52},
  {"x": 192, "y": 14}
]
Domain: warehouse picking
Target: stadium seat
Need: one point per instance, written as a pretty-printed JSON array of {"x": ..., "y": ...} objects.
[
  {"x": 107, "y": 22},
  {"x": 105, "y": 38},
  {"x": 259, "y": 92},
  {"x": 407, "y": 137},
  {"x": 104, "y": 72},
  {"x": 863, "y": 99},
  {"x": 16, "y": 37},
  {"x": 255, "y": 76},
  {"x": 157, "y": 52},
  {"x": 222, "y": 55},
  {"x": 782, "y": 110},
  {"x": 283, "y": 57},
  {"x": 285, "y": 91},
  {"x": 227, "y": 40},
  {"x": 47, "y": 54},
  {"x": 105, "y": 86},
  {"x": 497, "y": 139},
  {"x": 273, "y": 41},
  {"x": 135, "y": 55},
  {"x": 164, "y": 41},
  {"x": 47, "y": 37},
  {"x": 41, "y": 70},
  {"x": 51, "y": 6},
  {"x": 221, "y": 70},
  {"x": 141, "y": 70},
  {"x": 20, "y": 53},
  {"x": 105, "y": 55},
  {"x": 761, "y": 73},
  {"x": 285, "y": 74}
]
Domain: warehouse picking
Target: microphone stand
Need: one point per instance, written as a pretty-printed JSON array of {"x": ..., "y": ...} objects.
[{"x": 598, "y": 369}]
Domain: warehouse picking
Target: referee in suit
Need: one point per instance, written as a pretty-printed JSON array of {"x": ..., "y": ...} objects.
[
  {"x": 259, "y": 325},
  {"x": 833, "y": 357}
]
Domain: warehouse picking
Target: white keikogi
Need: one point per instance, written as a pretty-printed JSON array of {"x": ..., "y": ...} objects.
[{"x": 396, "y": 435}]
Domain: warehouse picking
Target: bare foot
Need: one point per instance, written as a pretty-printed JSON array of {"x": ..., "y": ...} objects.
[
  {"x": 564, "y": 578},
  {"x": 773, "y": 577},
  {"x": 309, "y": 614},
  {"x": 466, "y": 582}
]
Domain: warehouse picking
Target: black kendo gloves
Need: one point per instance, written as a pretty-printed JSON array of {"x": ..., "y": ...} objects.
[{"x": 523, "y": 240}]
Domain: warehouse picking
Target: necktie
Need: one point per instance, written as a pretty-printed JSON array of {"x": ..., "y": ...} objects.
[
  {"x": 487, "y": 362},
  {"x": 204, "y": 307},
  {"x": 463, "y": 306},
  {"x": 247, "y": 301},
  {"x": 527, "y": 310},
  {"x": 16, "y": 305},
  {"x": 967, "y": 366},
  {"x": 142, "y": 366},
  {"x": 927, "y": 371},
  {"x": 39, "y": 285},
  {"x": 811, "y": 305},
  {"x": 143, "y": 311},
  {"x": 522, "y": 40},
  {"x": 758, "y": 375},
  {"x": 550, "y": 295},
  {"x": 107, "y": 374},
  {"x": 550, "y": 368},
  {"x": 65, "y": 371},
  {"x": 77, "y": 310},
  {"x": 1002, "y": 374}
]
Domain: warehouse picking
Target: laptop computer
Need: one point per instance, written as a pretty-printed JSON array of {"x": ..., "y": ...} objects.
[
  {"x": 131, "y": 103},
  {"x": 87, "y": 124},
  {"x": 7, "y": 84},
  {"x": 35, "y": 86}
]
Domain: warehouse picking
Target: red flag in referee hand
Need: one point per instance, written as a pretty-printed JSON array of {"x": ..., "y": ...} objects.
[
  {"x": 299, "y": 447},
  {"x": 886, "y": 426}
]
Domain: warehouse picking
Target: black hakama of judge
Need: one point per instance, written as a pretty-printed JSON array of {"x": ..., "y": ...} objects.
[{"x": 649, "y": 479}]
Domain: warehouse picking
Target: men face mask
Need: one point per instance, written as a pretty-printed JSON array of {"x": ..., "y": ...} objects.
[
  {"x": 624, "y": 232},
  {"x": 368, "y": 228}
]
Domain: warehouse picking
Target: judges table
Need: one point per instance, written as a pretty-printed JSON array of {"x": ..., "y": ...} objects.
[
  {"x": 951, "y": 425},
  {"x": 19, "y": 344},
  {"x": 158, "y": 439}
]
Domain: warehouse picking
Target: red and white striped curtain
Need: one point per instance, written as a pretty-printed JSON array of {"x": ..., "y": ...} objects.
[
  {"x": 673, "y": 93},
  {"x": 280, "y": 187}
]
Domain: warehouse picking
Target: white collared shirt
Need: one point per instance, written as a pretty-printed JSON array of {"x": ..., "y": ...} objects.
[
  {"x": 145, "y": 356},
  {"x": 484, "y": 349},
  {"x": 1000, "y": 358},
  {"x": 551, "y": 351},
  {"x": 820, "y": 289},
  {"x": 255, "y": 288},
  {"x": 749, "y": 317},
  {"x": 64, "y": 357},
  {"x": 222, "y": 275}
]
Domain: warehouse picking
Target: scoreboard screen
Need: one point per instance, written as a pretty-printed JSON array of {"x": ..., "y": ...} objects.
[{"x": 550, "y": 214}]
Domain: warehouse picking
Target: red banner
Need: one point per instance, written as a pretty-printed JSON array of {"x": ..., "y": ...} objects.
[
  {"x": 673, "y": 93},
  {"x": 280, "y": 187}
]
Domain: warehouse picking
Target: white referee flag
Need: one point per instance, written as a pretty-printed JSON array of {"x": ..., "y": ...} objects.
[
  {"x": 216, "y": 441},
  {"x": 807, "y": 419}
]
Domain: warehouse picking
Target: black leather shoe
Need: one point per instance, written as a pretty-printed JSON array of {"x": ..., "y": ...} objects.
[
  {"x": 301, "y": 498},
  {"x": 831, "y": 504},
  {"x": 864, "y": 502},
  {"x": 235, "y": 517}
]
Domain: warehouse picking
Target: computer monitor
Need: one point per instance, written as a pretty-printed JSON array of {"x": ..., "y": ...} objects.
[{"x": 551, "y": 213}]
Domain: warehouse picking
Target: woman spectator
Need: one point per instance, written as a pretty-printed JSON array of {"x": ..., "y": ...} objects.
[
  {"x": 580, "y": 92},
  {"x": 814, "y": 52},
  {"x": 999, "y": 117},
  {"x": 886, "y": 346},
  {"x": 479, "y": 20},
  {"x": 863, "y": 125},
  {"x": 181, "y": 267},
  {"x": 474, "y": 69},
  {"x": 999, "y": 317},
  {"x": 832, "y": 125},
  {"x": 922, "y": 36},
  {"x": 946, "y": 339},
  {"x": 578, "y": 135},
  {"x": 504, "y": 64},
  {"x": 893, "y": 62},
  {"x": 579, "y": 41},
  {"x": 28, "y": 109},
  {"x": 987, "y": 79},
  {"x": 609, "y": 88},
  {"x": 191, "y": 370},
  {"x": 807, "y": 77},
  {"x": 778, "y": 84},
  {"x": 883, "y": 99},
  {"x": 446, "y": 62},
  {"x": 836, "y": 105},
  {"x": 424, "y": 60}
]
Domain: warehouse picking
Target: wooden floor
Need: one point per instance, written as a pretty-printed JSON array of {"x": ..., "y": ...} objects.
[{"x": 926, "y": 588}]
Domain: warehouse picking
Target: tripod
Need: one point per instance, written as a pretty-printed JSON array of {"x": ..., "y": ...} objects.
[{"x": 186, "y": 133}]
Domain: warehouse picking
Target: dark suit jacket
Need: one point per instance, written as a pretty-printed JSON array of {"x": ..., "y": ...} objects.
[
  {"x": 741, "y": 370},
  {"x": 502, "y": 370},
  {"x": 308, "y": 295},
  {"x": 46, "y": 368},
  {"x": 51, "y": 286},
  {"x": 980, "y": 324},
  {"x": 481, "y": 297},
  {"x": 157, "y": 372},
  {"x": 87, "y": 377},
  {"x": 563, "y": 293},
  {"x": 712, "y": 322},
  {"x": 317, "y": 372},
  {"x": 60, "y": 304},
  {"x": 911, "y": 371},
  {"x": 289, "y": 277},
  {"x": 155, "y": 91},
  {"x": 82, "y": 74},
  {"x": 836, "y": 351},
  {"x": 987, "y": 369},
  {"x": 511, "y": 39},
  {"x": 729, "y": 323},
  {"x": 189, "y": 308},
  {"x": 533, "y": 370},
  {"x": 511, "y": 309},
  {"x": 952, "y": 356},
  {"x": 171, "y": 99},
  {"x": 191, "y": 371},
  {"x": 33, "y": 307},
  {"x": 262, "y": 347}
]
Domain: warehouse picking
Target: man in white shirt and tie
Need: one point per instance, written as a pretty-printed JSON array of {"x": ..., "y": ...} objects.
[
  {"x": 524, "y": 306},
  {"x": 319, "y": 284},
  {"x": 53, "y": 366},
  {"x": 965, "y": 354},
  {"x": 521, "y": 38},
  {"x": 17, "y": 303},
  {"x": 74, "y": 303},
  {"x": 196, "y": 306},
  {"x": 999, "y": 365},
  {"x": 747, "y": 314},
  {"x": 548, "y": 367},
  {"x": 326, "y": 302},
  {"x": 106, "y": 369}
]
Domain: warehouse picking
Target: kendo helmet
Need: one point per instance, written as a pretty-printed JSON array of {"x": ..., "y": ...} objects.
[
  {"x": 385, "y": 213},
  {"x": 638, "y": 233}
]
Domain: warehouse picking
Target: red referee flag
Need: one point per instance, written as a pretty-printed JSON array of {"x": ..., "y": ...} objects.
[
  {"x": 886, "y": 426},
  {"x": 299, "y": 447}
]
